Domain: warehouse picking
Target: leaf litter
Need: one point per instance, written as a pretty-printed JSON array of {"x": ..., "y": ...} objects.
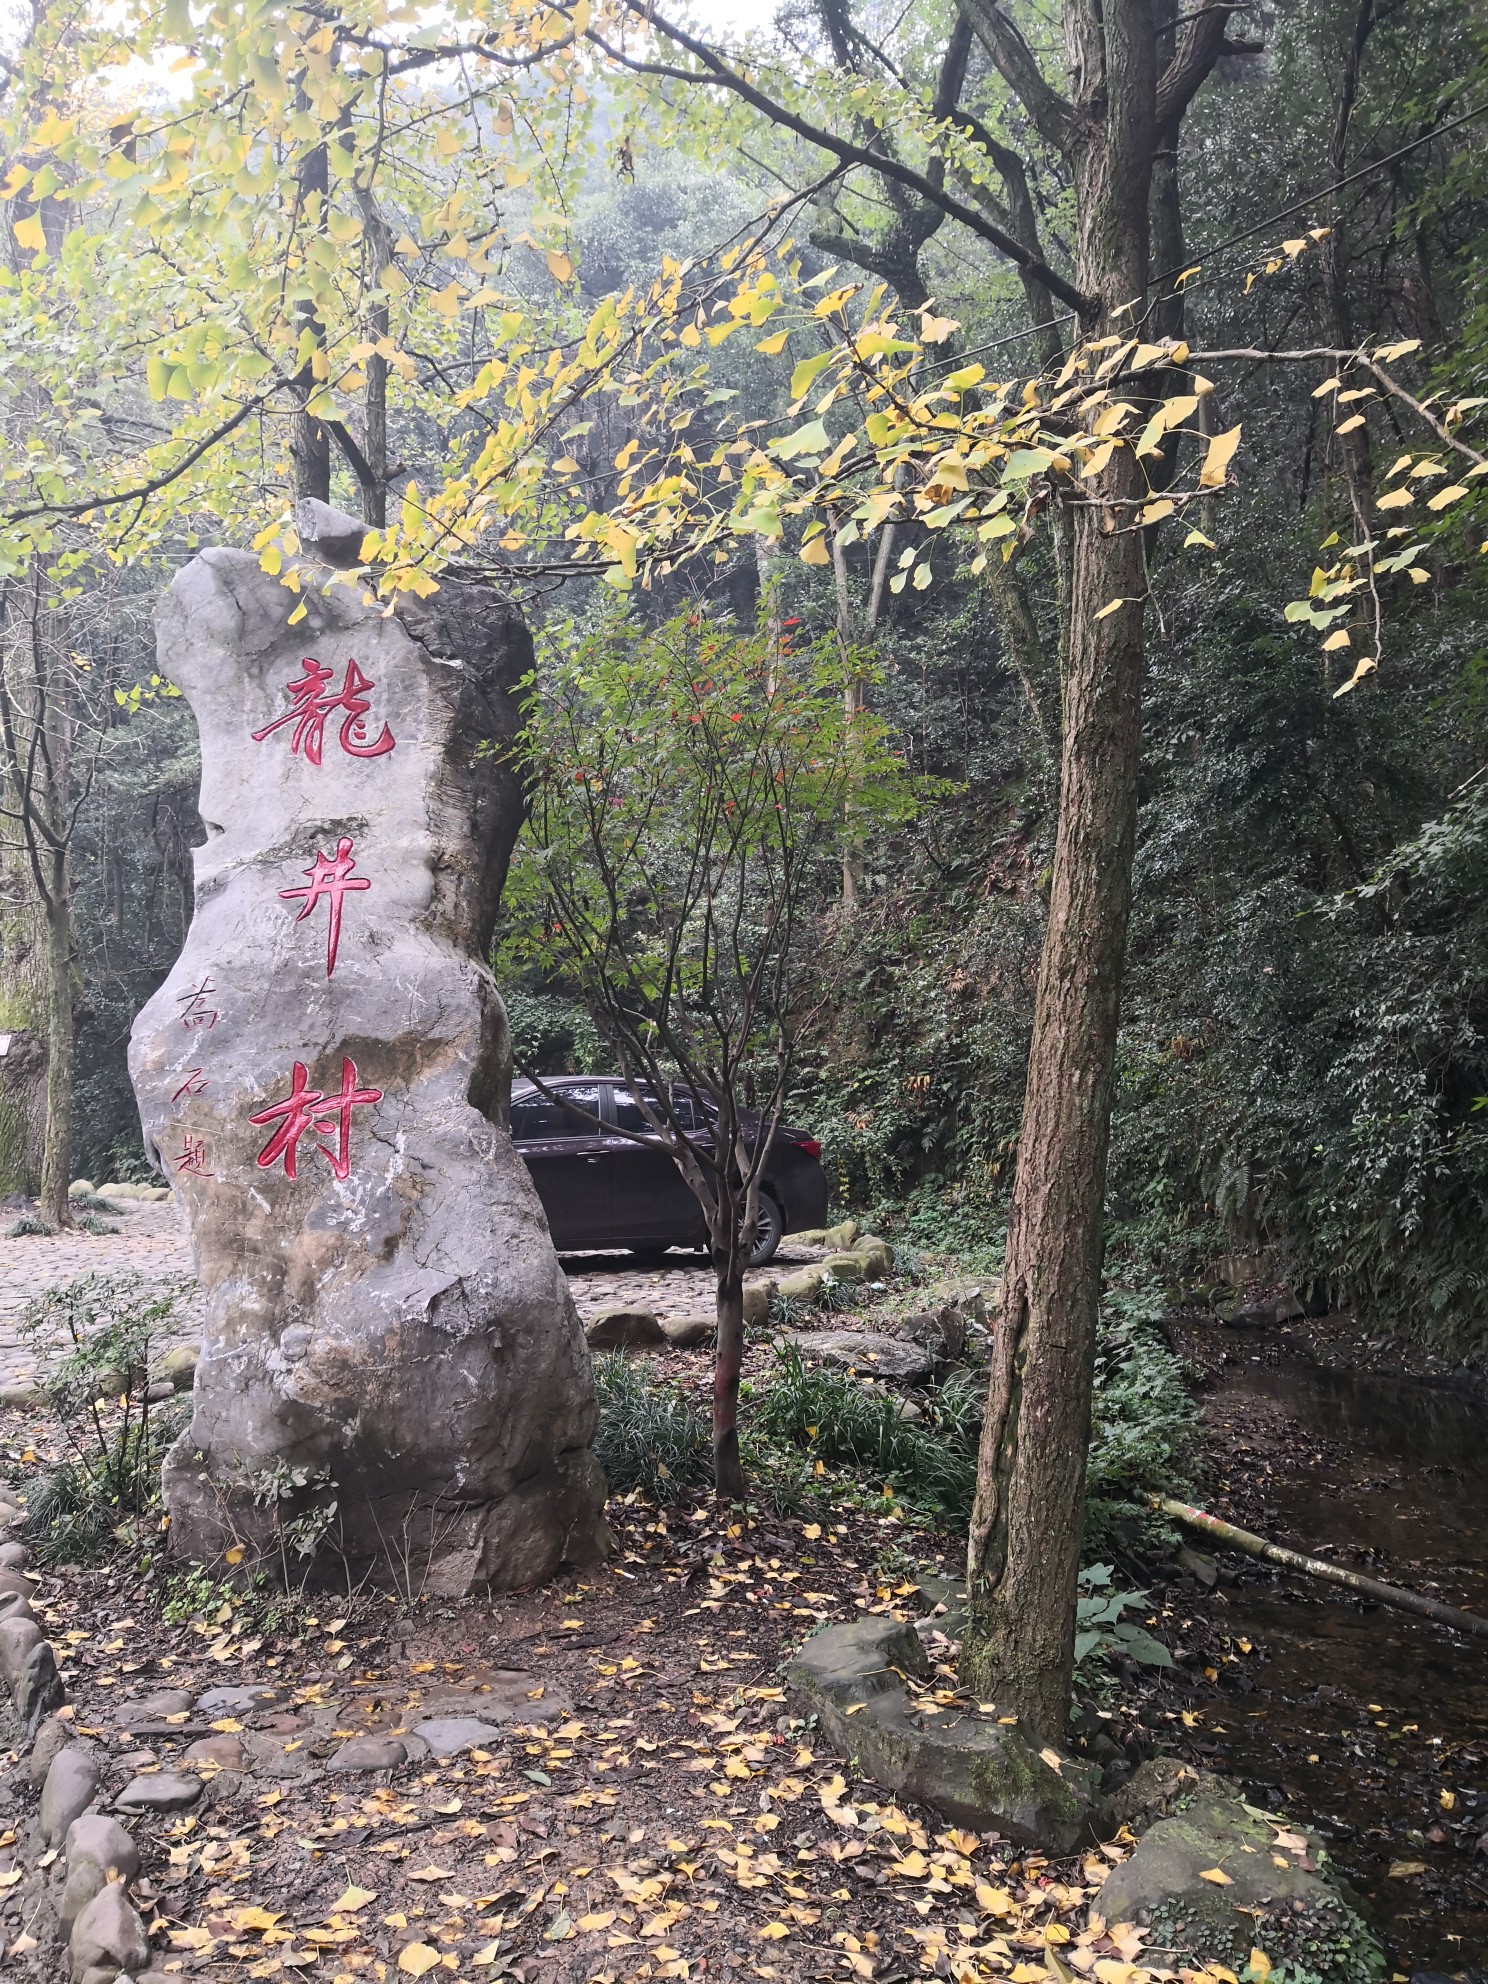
[{"x": 664, "y": 1817}]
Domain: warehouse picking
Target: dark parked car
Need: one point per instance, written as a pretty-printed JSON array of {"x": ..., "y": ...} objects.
[{"x": 602, "y": 1189}]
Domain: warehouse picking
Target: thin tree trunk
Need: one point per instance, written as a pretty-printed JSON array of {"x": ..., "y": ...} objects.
[
  {"x": 728, "y": 1365},
  {"x": 852, "y": 705},
  {"x": 1028, "y": 1515},
  {"x": 310, "y": 440},
  {"x": 56, "y": 1164}
]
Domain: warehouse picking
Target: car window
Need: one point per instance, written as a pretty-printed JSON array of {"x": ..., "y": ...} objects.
[
  {"x": 628, "y": 1113},
  {"x": 535, "y": 1116}
]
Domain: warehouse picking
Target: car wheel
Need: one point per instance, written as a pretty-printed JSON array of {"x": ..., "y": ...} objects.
[{"x": 770, "y": 1231}]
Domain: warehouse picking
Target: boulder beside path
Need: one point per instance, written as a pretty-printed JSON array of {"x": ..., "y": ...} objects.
[{"x": 391, "y": 1361}]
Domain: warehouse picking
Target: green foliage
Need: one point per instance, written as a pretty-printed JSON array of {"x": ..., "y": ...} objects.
[
  {"x": 929, "y": 1463},
  {"x": 1305, "y": 1040},
  {"x": 554, "y": 1036},
  {"x": 650, "y": 1435},
  {"x": 195, "y": 1594},
  {"x": 30, "y": 1226},
  {"x": 1143, "y": 1426},
  {"x": 100, "y": 1392},
  {"x": 1102, "y": 1634}
]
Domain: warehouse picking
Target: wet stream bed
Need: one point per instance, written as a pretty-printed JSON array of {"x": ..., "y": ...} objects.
[{"x": 1370, "y": 1724}]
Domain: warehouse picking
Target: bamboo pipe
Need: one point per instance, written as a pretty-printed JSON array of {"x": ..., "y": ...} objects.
[{"x": 1293, "y": 1560}]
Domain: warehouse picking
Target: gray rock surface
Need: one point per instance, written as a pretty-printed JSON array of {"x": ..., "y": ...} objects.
[
  {"x": 384, "y": 1309},
  {"x": 804, "y": 1285},
  {"x": 16, "y": 1605},
  {"x": 165, "y": 1702},
  {"x": 19, "y": 1634},
  {"x": 449, "y": 1735},
  {"x": 14, "y": 1556},
  {"x": 846, "y": 1267},
  {"x": 862, "y": 1351},
  {"x": 96, "y": 1847},
  {"x": 218, "y": 1703},
  {"x": 626, "y": 1329},
  {"x": 53, "y": 1735},
  {"x": 214, "y": 1753},
  {"x": 369, "y": 1753},
  {"x": 1279, "y": 1891},
  {"x": 977, "y": 1771},
  {"x": 108, "y": 1932},
  {"x": 162, "y": 1791},
  {"x": 178, "y": 1366},
  {"x": 70, "y": 1788},
  {"x": 39, "y": 1689},
  {"x": 687, "y": 1332}
]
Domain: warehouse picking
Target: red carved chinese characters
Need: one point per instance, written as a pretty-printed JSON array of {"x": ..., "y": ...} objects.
[
  {"x": 333, "y": 879},
  {"x": 307, "y": 1109},
  {"x": 194, "y": 1083},
  {"x": 310, "y": 706},
  {"x": 196, "y": 1014},
  {"x": 192, "y": 1156}
]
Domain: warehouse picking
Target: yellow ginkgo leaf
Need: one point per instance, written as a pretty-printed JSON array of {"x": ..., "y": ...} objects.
[
  {"x": 353, "y": 1899},
  {"x": 773, "y": 1931},
  {"x": 1340, "y": 639},
  {"x": 1444, "y": 496},
  {"x": 29, "y": 234},
  {"x": 1260, "y": 1966},
  {"x": 773, "y": 346},
  {"x": 1396, "y": 500},
  {"x": 253, "y": 1918},
  {"x": 1217, "y": 1875},
  {"x": 1217, "y": 460},
  {"x": 414, "y": 1959},
  {"x": 560, "y": 265}
]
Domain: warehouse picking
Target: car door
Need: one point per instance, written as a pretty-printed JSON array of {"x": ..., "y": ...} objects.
[
  {"x": 570, "y": 1161},
  {"x": 652, "y": 1201}
]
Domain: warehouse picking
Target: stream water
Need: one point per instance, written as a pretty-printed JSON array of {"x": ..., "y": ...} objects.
[{"x": 1371, "y": 1723}]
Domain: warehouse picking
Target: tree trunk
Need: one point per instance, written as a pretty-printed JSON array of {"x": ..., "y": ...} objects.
[
  {"x": 728, "y": 1364},
  {"x": 310, "y": 439},
  {"x": 1028, "y": 1515},
  {"x": 56, "y": 1164}
]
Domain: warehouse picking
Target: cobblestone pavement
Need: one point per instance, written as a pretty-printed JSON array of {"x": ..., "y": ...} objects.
[{"x": 152, "y": 1240}]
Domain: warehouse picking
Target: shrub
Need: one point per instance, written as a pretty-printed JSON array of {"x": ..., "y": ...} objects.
[
  {"x": 100, "y": 1392},
  {"x": 650, "y": 1435},
  {"x": 1143, "y": 1425},
  {"x": 930, "y": 1463}
]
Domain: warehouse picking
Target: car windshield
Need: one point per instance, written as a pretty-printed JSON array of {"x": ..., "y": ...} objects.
[{"x": 535, "y": 1116}]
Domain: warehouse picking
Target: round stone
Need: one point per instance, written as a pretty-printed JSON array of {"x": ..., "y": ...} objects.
[
  {"x": 71, "y": 1784},
  {"x": 165, "y": 1791},
  {"x": 215, "y": 1753},
  {"x": 448, "y": 1735},
  {"x": 370, "y": 1753}
]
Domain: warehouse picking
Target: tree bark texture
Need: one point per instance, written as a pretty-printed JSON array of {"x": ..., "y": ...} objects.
[
  {"x": 728, "y": 1365},
  {"x": 56, "y": 1163},
  {"x": 1028, "y": 1515}
]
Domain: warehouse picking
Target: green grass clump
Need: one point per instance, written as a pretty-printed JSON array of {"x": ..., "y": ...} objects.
[
  {"x": 650, "y": 1436},
  {"x": 930, "y": 1462}
]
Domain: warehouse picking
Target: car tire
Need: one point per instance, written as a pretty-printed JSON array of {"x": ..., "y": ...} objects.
[{"x": 769, "y": 1233}]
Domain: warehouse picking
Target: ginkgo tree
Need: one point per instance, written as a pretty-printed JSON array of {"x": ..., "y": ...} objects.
[{"x": 288, "y": 234}]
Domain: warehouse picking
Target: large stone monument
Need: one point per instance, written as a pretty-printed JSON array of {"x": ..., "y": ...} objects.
[{"x": 324, "y": 1079}]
